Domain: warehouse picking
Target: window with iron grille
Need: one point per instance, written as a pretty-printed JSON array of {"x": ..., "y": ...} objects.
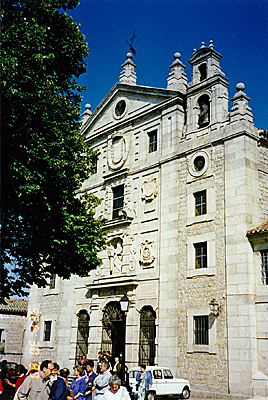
[
  {"x": 152, "y": 141},
  {"x": 264, "y": 264},
  {"x": 200, "y": 203},
  {"x": 52, "y": 283},
  {"x": 82, "y": 335},
  {"x": 47, "y": 331},
  {"x": 118, "y": 200},
  {"x": 201, "y": 329},
  {"x": 147, "y": 336},
  {"x": 200, "y": 255}
]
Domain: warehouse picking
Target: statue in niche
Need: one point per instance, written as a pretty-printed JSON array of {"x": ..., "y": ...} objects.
[
  {"x": 146, "y": 256},
  {"x": 115, "y": 255},
  {"x": 149, "y": 189},
  {"x": 203, "y": 119}
]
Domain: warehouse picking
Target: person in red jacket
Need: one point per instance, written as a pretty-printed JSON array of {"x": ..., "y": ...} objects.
[{"x": 21, "y": 372}]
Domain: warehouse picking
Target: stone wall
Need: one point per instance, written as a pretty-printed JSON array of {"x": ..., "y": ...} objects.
[
  {"x": 205, "y": 369},
  {"x": 14, "y": 329}
]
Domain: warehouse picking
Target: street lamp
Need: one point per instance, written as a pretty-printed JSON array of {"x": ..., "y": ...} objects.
[
  {"x": 124, "y": 304},
  {"x": 214, "y": 306}
]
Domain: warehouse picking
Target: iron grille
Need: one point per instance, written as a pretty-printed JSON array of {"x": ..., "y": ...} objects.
[
  {"x": 264, "y": 262},
  {"x": 147, "y": 336},
  {"x": 82, "y": 335},
  {"x": 201, "y": 329},
  {"x": 113, "y": 332}
]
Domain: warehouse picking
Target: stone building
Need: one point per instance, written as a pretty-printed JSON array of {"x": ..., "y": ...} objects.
[
  {"x": 183, "y": 181},
  {"x": 13, "y": 317}
]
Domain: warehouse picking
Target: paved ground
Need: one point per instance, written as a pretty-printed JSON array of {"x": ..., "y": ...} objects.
[{"x": 8, "y": 394}]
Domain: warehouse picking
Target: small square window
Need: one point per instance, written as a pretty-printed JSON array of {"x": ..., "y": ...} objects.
[
  {"x": 200, "y": 203},
  {"x": 118, "y": 200},
  {"x": 201, "y": 329},
  {"x": 264, "y": 265},
  {"x": 152, "y": 141},
  {"x": 47, "y": 331},
  {"x": 200, "y": 255}
]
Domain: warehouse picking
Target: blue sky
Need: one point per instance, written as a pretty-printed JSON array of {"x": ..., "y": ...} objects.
[{"x": 238, "y": 28}]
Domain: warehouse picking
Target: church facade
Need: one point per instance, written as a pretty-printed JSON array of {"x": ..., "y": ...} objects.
[{"x": 184, "y": 184}]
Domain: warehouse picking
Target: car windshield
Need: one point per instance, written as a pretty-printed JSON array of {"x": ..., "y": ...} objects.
[{"x": 167, "y": 374}]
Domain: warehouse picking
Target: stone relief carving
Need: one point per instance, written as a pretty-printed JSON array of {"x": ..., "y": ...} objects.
[
  {"x": 128, "y": 208},
  {"x": 133, "y": 253},
  {"x": 149, "y": 189},
  {"x": 117, "y": 151},
  {"x": 115, "y": 255},
  {"x": 146, "y": 252}
]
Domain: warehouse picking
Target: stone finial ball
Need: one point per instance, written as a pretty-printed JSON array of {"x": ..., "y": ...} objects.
[
  {"x": 129, "y": 55},
  {"x": 240, "y": 86},
  {"x": 177, "y": 56},
  {"x": 88, "y": 106}
]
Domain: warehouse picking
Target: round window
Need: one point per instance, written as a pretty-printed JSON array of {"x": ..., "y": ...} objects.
[
  {"x": 120, "y": 108},
  {"x": 199, "y": 163}
]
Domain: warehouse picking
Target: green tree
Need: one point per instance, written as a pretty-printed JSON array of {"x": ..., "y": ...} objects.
[{"x": 47, "y": 226}]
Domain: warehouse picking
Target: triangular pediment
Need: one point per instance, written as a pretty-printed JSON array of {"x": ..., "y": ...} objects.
[{"x": 123, "y": 104}]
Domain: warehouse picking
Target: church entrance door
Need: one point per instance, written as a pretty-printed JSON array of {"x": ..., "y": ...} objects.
[{"x": 113, "y": 329}]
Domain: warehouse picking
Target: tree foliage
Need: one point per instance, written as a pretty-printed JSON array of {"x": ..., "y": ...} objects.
[{"x": 46, "y": 227}]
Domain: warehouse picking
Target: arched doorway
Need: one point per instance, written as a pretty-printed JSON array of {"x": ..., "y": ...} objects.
[
  {"x": 113, "y": 329},
  {"x": 82, "y": 335},
  {"x": 147, "y": 336}
]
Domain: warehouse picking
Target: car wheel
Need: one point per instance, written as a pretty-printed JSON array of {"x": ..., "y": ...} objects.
[
  {"x": 150, "y": 396},
  {"x": 185, "y": 394}
]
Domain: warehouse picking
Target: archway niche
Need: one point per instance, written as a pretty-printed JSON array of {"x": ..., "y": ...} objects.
[
  {"x": 204, "y": 111},
  {"x": 203, "y": 71}
]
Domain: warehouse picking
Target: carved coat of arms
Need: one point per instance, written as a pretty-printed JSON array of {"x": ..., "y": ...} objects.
[
  {"x": 117, "y": 151},
  {"x": 149, "y": 189},
  {"x": 146, "y": 255}
]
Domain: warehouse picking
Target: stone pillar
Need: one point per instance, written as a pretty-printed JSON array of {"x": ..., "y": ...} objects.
[
  {"x": 168, "y": 268},
  {"x": 241, "y": 213},
  {"x": 177, "y": 79},
  {"x": 128, "y": 75}
]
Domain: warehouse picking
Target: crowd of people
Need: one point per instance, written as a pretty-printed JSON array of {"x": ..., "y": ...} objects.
[{"x": 51, "y": 382}]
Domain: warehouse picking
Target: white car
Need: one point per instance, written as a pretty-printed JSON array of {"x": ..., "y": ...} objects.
[{"x": 164, "y": 384}]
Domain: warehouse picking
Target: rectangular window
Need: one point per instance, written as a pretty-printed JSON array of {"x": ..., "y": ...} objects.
[
  {"x": 201, "y": 329},
  {"x": 47, "y": 331},
  {"x": 264, "y": 264},
  {"x": 52, "y": 283},
  {"x": 200, "y": 255},
  {"x": 152, "y": 141},
  {"x": 200, "y": 203},
  {"x": 118, "y": 200}
]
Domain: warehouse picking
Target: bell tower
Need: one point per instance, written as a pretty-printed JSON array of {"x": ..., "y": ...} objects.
[{"x": 207, "y": 94}]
